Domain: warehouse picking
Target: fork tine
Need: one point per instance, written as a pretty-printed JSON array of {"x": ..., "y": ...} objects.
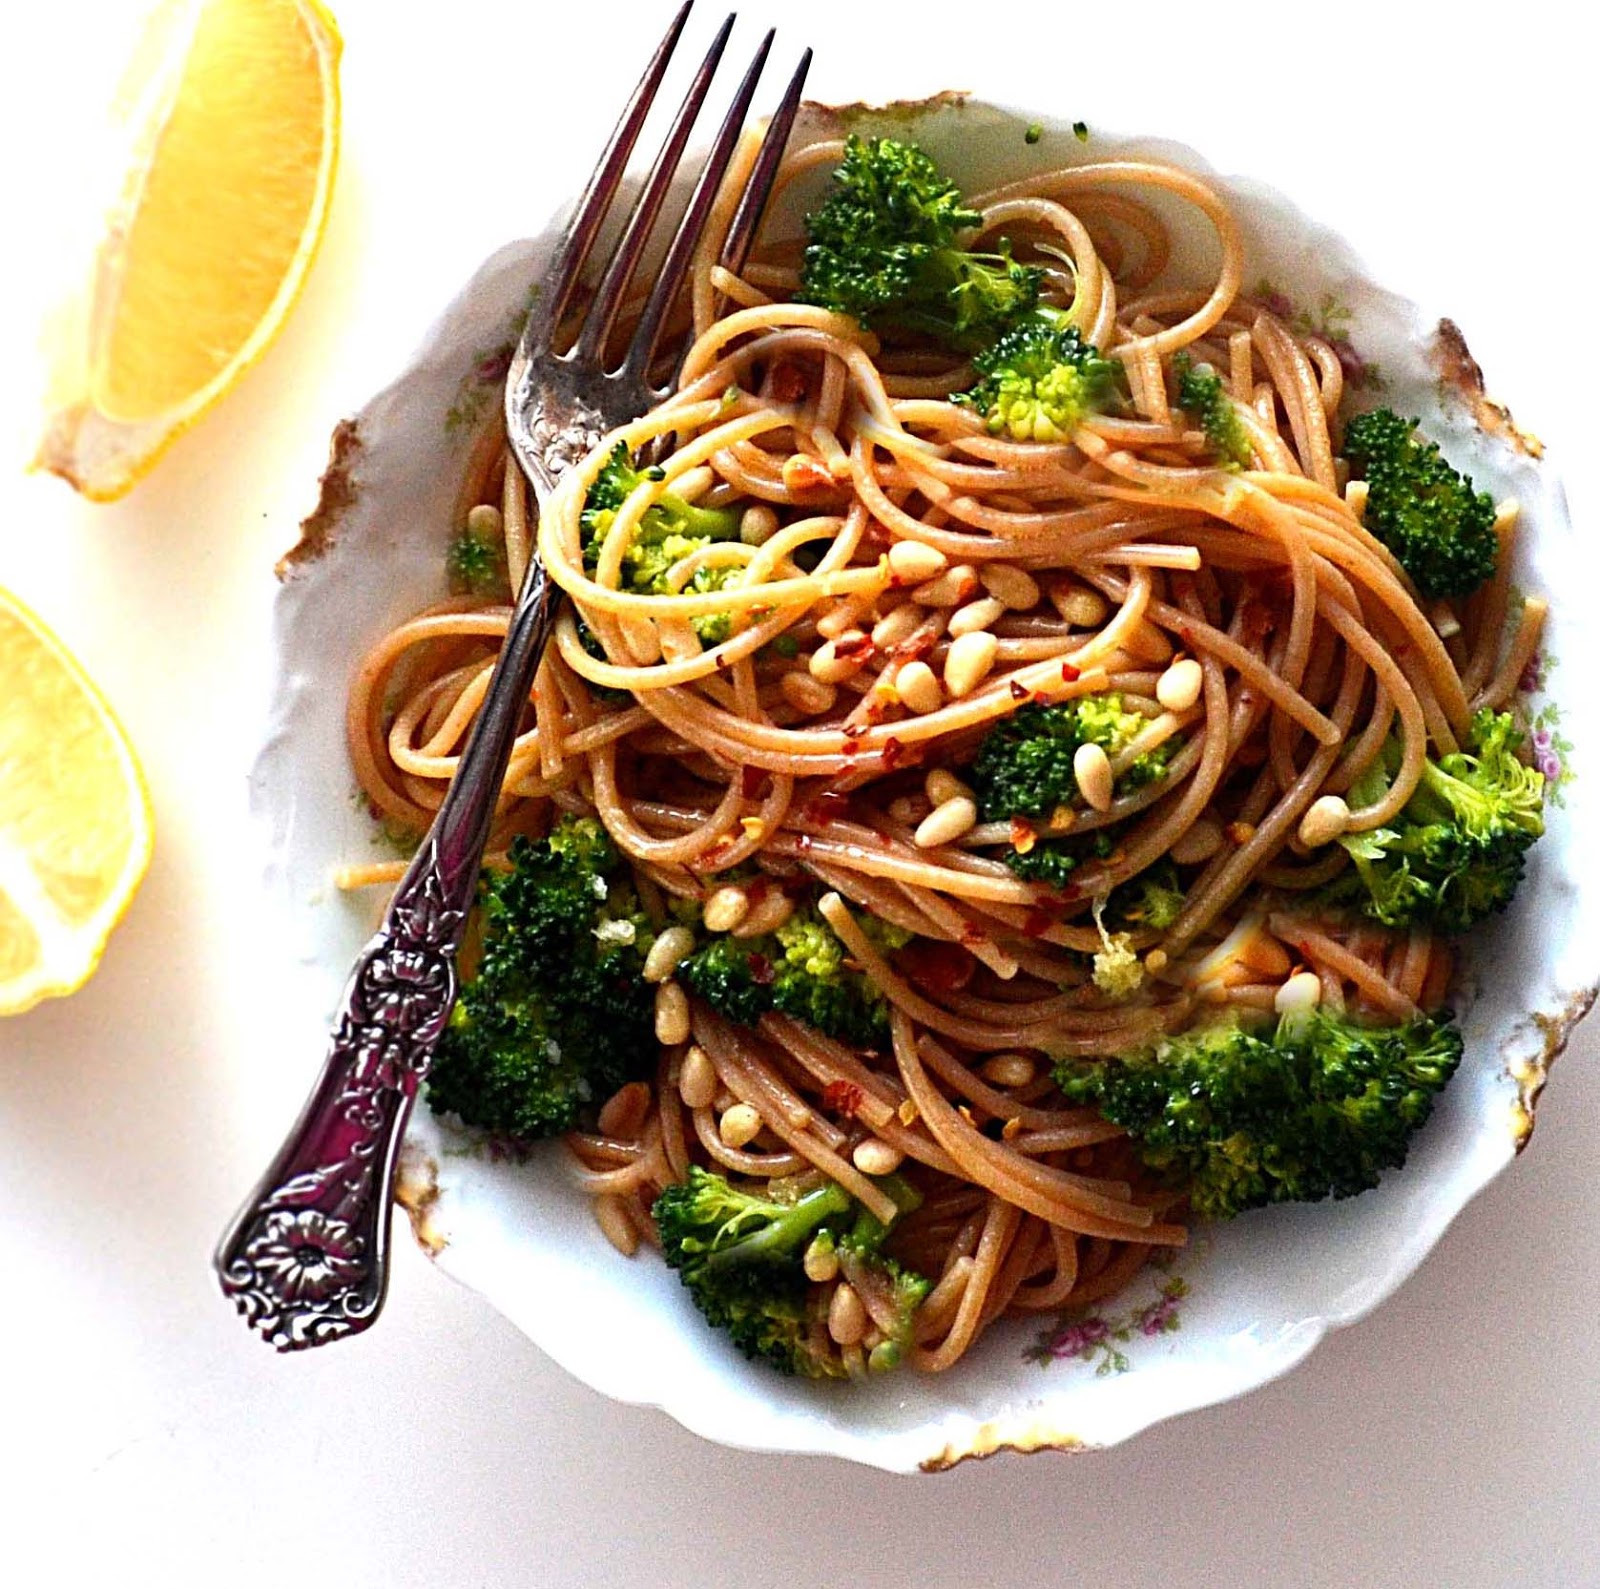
[
  {"x": 574, "y": 248},
  {"x": 608, "y": 296},
  {"x": 763, "y": 174},
  {"x": 685, "y": 240}
]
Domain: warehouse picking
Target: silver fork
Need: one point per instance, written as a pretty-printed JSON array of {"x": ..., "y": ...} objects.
[{"x": 306, "y": 1259}]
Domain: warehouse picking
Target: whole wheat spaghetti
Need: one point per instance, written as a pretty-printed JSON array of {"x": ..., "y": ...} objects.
[{"x": 795, "y": 717}]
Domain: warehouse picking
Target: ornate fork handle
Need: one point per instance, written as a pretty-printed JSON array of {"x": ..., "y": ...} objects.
[{"x": 306, "y": 1260}]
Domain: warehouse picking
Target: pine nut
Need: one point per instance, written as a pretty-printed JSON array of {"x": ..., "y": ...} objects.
[
  {"x": 976, "y": 615},
  {"x": 821, "y": 1261},
  {"x": 911, "y": 562},
  {"x": 673, "y": 946},
  {"x": 1327, "y": 818},
  {"x": 941, "y": 784},
  {"x": 1092, "y": 768},
  {"x": 898, "y": 626},
  {"x": 806, "y": 694},
  {"x": 697, "y": 1081},
  {"x": 1199, "y": 844},
  {"x": 876, "y": 1157},
  {"x": 725, "y": 909},
  {"x": 623, "y": 1113},
  {"x": 918, "y": 688},
  {"x": 1301, "y": 994},
  {"x": 484, "y": 521},
  {"x": 968, "y": 661},
  {"x": 828, "y": 667},
  {"x": 611, "y": 1215},
  {"x": 672, "y": 1014},
  {"x": 768, "y": 914},
  {"x": 757, "y": 524},
  {"x": 1014, "y": 587},
  {"x": 946, "y": 823},
  {"x": 847, "y": 1318},
  {"x": 1083, "y": 609},
  {"x": 739, "y": 1125},
  {"x": 1179, "y": 687},
  {"x": 1009, "y": 1070},
  {"x": 950, "y": 589},
  {"x": 1147, "y": 643}
]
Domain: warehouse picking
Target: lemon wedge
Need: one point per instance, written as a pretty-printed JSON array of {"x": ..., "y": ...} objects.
[
  {"x": 75, "y": 825},
  {"x": 219, "y": 223}
]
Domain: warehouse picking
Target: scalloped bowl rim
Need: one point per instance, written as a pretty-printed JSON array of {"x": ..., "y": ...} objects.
[{"x": 1023, "y": 1422}]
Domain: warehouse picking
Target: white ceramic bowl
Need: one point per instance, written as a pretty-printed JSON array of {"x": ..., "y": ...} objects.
[{"x": 1247, "y": 1300}]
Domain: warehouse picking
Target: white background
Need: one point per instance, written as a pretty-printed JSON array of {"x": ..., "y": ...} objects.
[{"x": 1453, "y": 1439}]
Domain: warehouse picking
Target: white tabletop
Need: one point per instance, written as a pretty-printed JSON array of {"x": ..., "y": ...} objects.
[{"x": 1453, "y": 1439}]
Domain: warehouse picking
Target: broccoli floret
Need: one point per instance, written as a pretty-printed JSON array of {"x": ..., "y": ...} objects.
[
  {"x": 1428, "y": 515},
  {"x": 1053, "y": 861},
  {"x": 1041, "y": 380},
  {"x": 1118, "y": 971},
  {"x": 670, "y": 530},
  {"x": 1152, "y": 899},
  {"x": 1456, "y": 852},
  {"x": 557, "y": 1014},
  {"x": 1024, "y": 765},
  {"x": 741, "y": 1254},
  {"x": 798, "y": 970},
  {"x": 1318, "y": 1107},
  {"x": 475, "y": 565},
  {"x": 884, "y": 247},
  {"x": 1202, "y": 395}
]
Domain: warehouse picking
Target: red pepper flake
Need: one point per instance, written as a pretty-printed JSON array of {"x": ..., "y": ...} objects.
[
  {"x": 1018, "y": 691},
  {"x": 754, "y": 783},
  {"x": 892, "y": 752},
  {"x": 761, "y": 972},
  {"x": 789, "y": 382},
  {"x": 971, "y": 932},
  {"x": 711, "y": 858},
  {"x": 1039, "y": 698},
  {"x": 843, "y": 1097},
  {"x": 828, "y": 806},
  {"x": 851, "y": 748},
  {"x": 936, "y": 966},
  {"x": 853, "y": 730},
  {"x": 854, "y": 649},
  {"x": 914, "y": 649},
  {"x": 1023, "y": 835},
  {"x": 1070, "y": 674},
  {"x": 1035, "y": 924}
]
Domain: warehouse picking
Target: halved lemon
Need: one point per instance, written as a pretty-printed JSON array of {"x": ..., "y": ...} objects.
[
  {"x": 75, "y": 825},
  {"x": 219, "y": 224}
]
